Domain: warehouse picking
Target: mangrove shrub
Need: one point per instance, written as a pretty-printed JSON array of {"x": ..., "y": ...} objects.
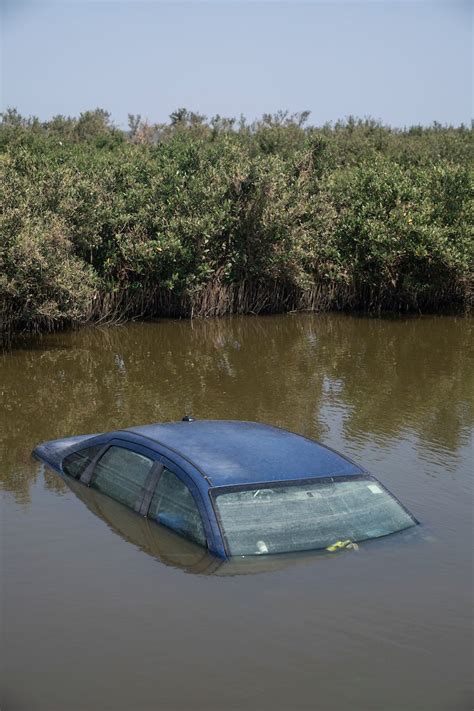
[{"x": 209, "y": 217}]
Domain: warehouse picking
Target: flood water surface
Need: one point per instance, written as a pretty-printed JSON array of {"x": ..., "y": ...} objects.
[{"x": 102, "y": 609}]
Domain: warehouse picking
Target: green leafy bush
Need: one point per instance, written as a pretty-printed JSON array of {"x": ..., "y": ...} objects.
[{"x": 216, "y": 216}]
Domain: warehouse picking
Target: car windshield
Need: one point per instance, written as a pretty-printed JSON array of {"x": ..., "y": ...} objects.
[{"x": 306, "y": 516}]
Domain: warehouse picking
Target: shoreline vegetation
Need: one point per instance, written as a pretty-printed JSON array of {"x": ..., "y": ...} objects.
[{"x": 207, "y": 217}]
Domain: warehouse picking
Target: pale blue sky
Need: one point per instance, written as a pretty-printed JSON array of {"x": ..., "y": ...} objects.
[{"x": 404, "y": 62}]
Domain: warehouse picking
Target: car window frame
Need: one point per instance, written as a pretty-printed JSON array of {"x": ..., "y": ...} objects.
[
  {"x": 193, "y": 488},
  {"x": 70, "y": 453},
  {"x": 90, "y": 473},
  {"x": 160, "y": 462}
]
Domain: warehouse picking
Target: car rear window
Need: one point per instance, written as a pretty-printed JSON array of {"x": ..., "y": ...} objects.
[{"x": 307, "y": 516}]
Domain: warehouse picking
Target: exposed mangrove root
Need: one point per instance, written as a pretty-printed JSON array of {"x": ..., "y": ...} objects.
[{"x": 217, "y": 299}]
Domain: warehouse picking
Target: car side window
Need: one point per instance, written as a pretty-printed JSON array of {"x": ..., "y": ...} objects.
[
  {"x": 121, "y": 474},
  {"x": 173, "y": 506},
  {"x": 76, "y": 463}
]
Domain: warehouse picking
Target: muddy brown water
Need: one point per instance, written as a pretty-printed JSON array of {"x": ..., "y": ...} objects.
[{"x": 105, "y": 611}]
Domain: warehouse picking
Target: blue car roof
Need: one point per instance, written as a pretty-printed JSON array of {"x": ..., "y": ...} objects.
[{"x": 232, "y": 452}]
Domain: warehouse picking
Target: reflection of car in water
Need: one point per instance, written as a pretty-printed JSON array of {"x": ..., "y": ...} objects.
[
  {"x": 233, "y": 488},
  {"x": 157, "y": 541}
]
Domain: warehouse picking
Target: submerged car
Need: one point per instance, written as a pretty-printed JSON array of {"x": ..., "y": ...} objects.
[
  {"x": 235, "y": 488},
  {"x": 171, "y": 549}
]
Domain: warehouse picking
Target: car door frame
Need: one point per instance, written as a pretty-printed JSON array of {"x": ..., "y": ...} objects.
[
  {"x": 161, "y": 461},
  {"x": 165, "y": 457}
]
